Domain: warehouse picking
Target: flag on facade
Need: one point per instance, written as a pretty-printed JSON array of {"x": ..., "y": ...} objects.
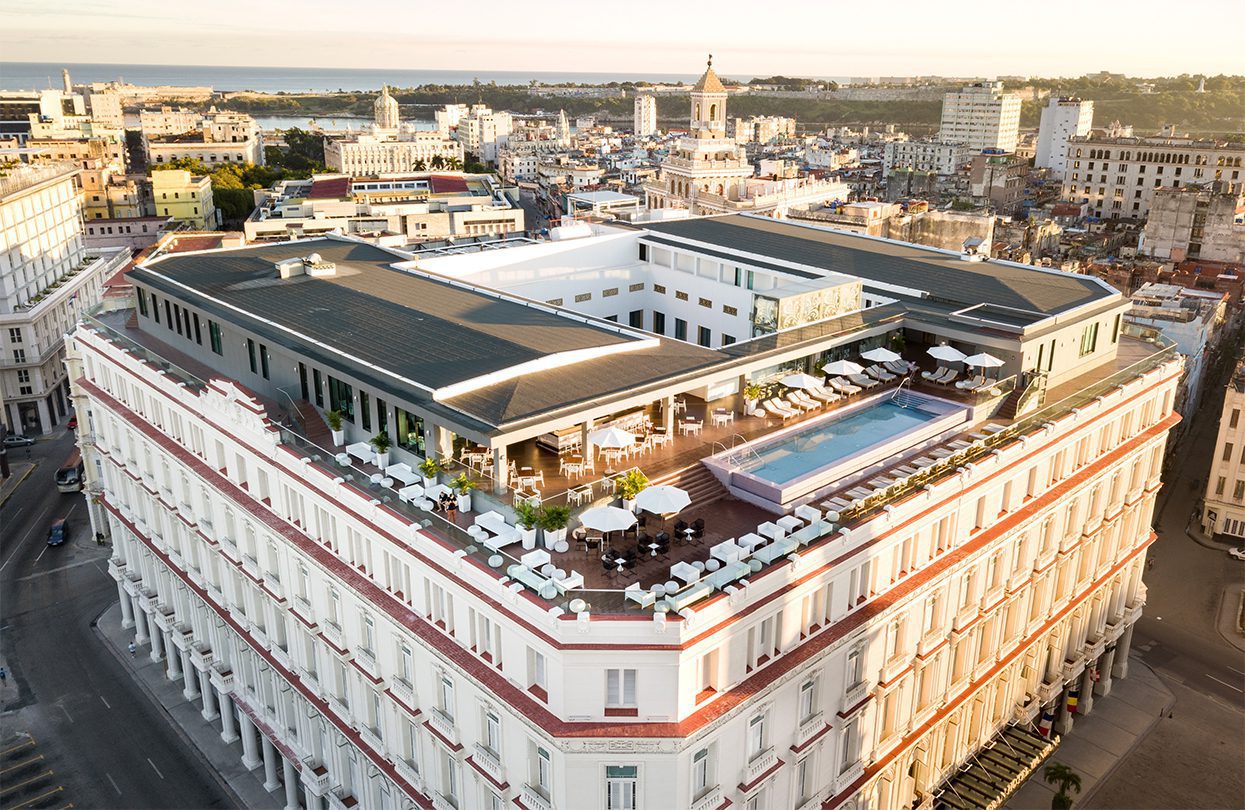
[
  {"x": 1074, "y": 697},
  {"x": 1046, "y": 723},
  {"x": 1095, "y": 675}
]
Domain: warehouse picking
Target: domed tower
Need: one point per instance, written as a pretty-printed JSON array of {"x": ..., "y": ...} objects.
[
  {"x": 708, "y": 119},
  {"x": 385, "y": 110}
]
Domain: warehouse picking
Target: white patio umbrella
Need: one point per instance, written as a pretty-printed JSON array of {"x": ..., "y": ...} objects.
[
  {"x": 608, "y": 519},
  {"x": 842, "y": 367},
  {"x": 611, "y": 437},
  {"x": 983, "y": 360},
  {"x": 801, "y": 380},
  {"x": 880, "y": 355},
  {"x": 947, "y": 354},
  {"x": 662, "y": 500}
]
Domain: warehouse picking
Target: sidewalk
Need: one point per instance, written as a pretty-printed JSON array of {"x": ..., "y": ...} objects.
[
  {"x": 1228, "y": 622},
  {"x": 18, "y": 471},
  {"x": 1100, "y": 740},
  {"x": 225, "y": 759}
]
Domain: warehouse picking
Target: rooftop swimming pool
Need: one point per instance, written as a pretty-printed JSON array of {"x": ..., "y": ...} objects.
[{"x": 803, "y": 460}]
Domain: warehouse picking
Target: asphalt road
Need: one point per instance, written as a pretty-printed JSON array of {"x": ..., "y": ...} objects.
[{"x": 78, "y": 727}]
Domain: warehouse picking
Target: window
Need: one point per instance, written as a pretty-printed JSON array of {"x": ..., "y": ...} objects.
[
  {"x": 341, "y": 398},
  {"x": 250, "y": 353},
  {"x": 1238, "y": 491},
  {"x": 542, "y": 774},
  {"x": 620, "y": 688},
  {"x": 168, "y": 314},
  {"x": 757, "y": 737},
  {"x": 369, "y": 633},
  {"x": 1235, "y": 418},
  {"x": 263, "y": 361},
  {"x": 214, "y": 337},
  {"x": 406, "y": 663},
  {"x": 492, "y": 732},
  {"x": 302, "y": 381},
  {"x": 855, "y": 668},
  {"x": 609, "y": 293},
  {"x": 536, "y": 672},
  {"x": 700, "y": 773},
  {"x": 1220, "y": 484},
  {"x": 19, "y": 355},
  {"x": 808, "y": 700},
  {"x": 449, "y": 776},
  {"x": 1227, "y": 451},
  {"x": 680, "y": 329},
  {"x": 446, "y": 697},
  {"x": 704, "y": 336},
  {"x": 198, "y": 330},
  {"x": 636, "y": 318},
  {"x": 365, "y": 410},
  {"x": 848, "y": 754},
  {"x": 803, "y": 779},
  {"x": 1089, "y": 339},
  {"x": 659, "y": 323},
  {"x": 315, "y": 379},
  {"x": 142, "y": 307},
  {"x": 620, "y": 787}
]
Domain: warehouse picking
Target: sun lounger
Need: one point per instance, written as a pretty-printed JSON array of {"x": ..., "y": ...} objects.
[
  {"x": 879, "y": 373},
  {"x": 824, "y": 394},
  {"x": 807, "y": 405},
  {"x": 949, "y": 378},
  {"x": 843, "y": 386},
  {"x": 900, "y": 367},
  {"x": 971, "y": 383},
  {"x": 779, "y": 408},
  {"x": 863, "y": 381}
]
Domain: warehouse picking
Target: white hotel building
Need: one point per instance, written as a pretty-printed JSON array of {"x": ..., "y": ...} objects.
[{"x": 889, "y": 610}]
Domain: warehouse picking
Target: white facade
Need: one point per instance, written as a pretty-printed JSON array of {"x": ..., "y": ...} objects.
[
  {"x": 482, "y": 132},
  {"x": 385, "y": 111},
  {"x": 981, "y": 116},
  {"x": 47, "y": 278},
  {"x": 1118, "y": 176},
  {"x": 925, "y": 156},
  {"x": 367, "y": 154},
  {"x": 448, "y": 117},
  {"x": 218, "y": 137},
  {"x": 762, "y": 129},
  {"x": 1062, "y": 118},
  {"x": 645, "y": 115},
  {"x": 1223, "y": 510}
]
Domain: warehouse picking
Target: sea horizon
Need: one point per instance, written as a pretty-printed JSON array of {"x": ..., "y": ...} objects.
[{"x": 41, "y": 75}]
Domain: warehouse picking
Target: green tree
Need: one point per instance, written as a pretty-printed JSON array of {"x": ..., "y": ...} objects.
[
  {"x": 437, "y": 162},
  {"x": 1066, "y": 779}
]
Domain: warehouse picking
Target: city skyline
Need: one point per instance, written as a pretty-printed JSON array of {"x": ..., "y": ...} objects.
[{"x": 915, "y": 44}]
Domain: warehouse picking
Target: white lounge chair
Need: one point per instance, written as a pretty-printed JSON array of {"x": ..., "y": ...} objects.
[
  {"x": 844, "y": 387},
  {"x": 802, "y": 402},
  {"x": 863, "y": 381},
  {"x": 947, "y": 379},
  {"x": 779, "y": 408},
  {"x": 900, "y": 367},
  {"x": 879, "y": 373},
  {"x": 971, "y": 384},
  {"x": 824, "y": 394}
]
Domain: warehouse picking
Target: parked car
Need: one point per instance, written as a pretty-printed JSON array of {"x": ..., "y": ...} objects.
[
  {"x": 72, "y": 424},
  {"x": 18, "y": 440},
  {"x": 58, "y": 533},
  {"x": 1239, "y": 553}
]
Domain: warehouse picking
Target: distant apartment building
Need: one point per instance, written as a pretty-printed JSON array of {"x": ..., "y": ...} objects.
[
  {"x": 998, "y": 180},
  {"x": 482, "y": 132},
  {"x": 131, "y": 233},
  {"x": 763, "y": 129},
  {"x": 186, "y": 198},
  {"x": 447, "y": 117},
  {"x": 217, "y": 138},
  {"x": 47, "y": 277},
  {"x": 1189, "y": 318},
  {"x": 1062, "y": 118},
  {"x": 1223, "y": 508},
  {"x": 1195, "y": 222},
  {"x": 166, "y": 120},
  {"x": 1117, "y": 176},
  {"x": 981, "y": 116},
  {"x": 108, "y": 194},
  {"x": 602, "y": 204},
  {"x": 517, "y": 164},
  {"x": 396, "y": 209},
  {"x": 925, "y": 156},
  {"x": 645, "y": 115},
  {"x": 412, "y": 151}
]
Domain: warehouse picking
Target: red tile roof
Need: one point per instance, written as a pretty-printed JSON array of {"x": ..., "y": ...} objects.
[
  {"x": 447, "y": 184},
  {"x": 330, "y": 188}
]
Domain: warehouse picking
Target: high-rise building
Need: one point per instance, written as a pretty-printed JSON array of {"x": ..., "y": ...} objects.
[
  {"x": 482, "y": 131},
  {"x": 645, "y": 115},
  {"x": 935, "y": 585},
  {"x": 1223, "y": 508},
  {"x": 1118, "y": 176},
  {"x": 981, "y": 116},
  {"x": 1062, "y": 118},
  {"x": 47, "y": 277}
]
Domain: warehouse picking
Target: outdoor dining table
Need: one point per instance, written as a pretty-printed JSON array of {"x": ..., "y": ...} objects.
[
  {"x": 690, "y": 426},
  {"x": 721, "y": 416},
  {"x": 653, "y": 548}
]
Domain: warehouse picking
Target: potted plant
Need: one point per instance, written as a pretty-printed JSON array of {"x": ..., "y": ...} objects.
[
  {"x": 429, "y": 469},
  {"x": 382, "y": 444},
  {"x": 334, "y": 420},
  {"x": 526, "y": 517},
  {"x": 628, "y": 485},
  {"x": 463, "y": 485},
  {"x": 752, "y": 395},
  {"x": 553, "y": 520}
]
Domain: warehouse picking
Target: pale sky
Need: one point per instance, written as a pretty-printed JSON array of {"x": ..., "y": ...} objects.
[{"x": 793, "y": 37}]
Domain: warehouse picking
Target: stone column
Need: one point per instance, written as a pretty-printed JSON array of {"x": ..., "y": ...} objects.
[
  {"x": 270, "y": 763},
  {"x": 209, "y": 697},
  {"x": 310, "y": 799},
  {"x": 1103, "y": 687},
  {"x": 667, "y": 415},
  {"x": 501, "y": 473},
  {"x": 290, "y": 776},
  {"x": 1086, "y": 703},
  {"x": 250, "y": 754},
  {"x": 175, "y": 661},
  {"x": 1121, "y": 653},
  {"x": 127, "y": 607},
  {"x": 229, "y": 725},
  {"x": 45, "y": 416},
  {"x": 157, "y": 644},
  {"x": 190, "y": 690},
  {"x": 140, "y": 625},
  {"x": 1063, "y": 717}
]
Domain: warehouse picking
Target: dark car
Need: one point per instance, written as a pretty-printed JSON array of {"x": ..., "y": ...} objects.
[
  {"x": 18, "y": 440},
  {"x": 58, "y": 533}
]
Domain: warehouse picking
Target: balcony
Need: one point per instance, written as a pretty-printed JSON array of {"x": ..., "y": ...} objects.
[
  {"x": 222, "y": 677},
  {"x": 758, "y": 766},
  {"x": 534, "y": 798},
  {"x": 809, "y": 729},
  {"x": 488, "y": 762},
  {"x": 712, "y": 799},
  {"x": 443, "y": 724},
  {"x": 201, "y": 656},
  {"x": 316, "y": 776},
  {"x": 855, "y": 694}
]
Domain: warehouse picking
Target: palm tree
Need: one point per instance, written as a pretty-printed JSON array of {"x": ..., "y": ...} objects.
[
  {"x": 1063, "y": 776},
  {"x": 438, "y": 162},
  {"x": 421, "y": 166},
  {"x": 453, "y": 163}
]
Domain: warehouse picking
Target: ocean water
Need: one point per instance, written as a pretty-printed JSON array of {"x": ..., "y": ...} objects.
[{"x": 39, "y": 75}]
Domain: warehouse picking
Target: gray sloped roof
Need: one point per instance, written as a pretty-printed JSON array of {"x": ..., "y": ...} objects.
[{"x": 944, "y": 277}]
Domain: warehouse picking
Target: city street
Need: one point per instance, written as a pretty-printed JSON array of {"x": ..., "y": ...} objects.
[
  {"x": 75, "y": 727},
  {"x": 1191, "y": 759}
]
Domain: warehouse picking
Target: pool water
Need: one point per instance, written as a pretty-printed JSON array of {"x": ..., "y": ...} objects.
[{"x": 808, "y": 450}]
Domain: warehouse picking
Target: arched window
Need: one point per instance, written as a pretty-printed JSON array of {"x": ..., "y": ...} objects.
[{"x": 713, "y": 112}]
